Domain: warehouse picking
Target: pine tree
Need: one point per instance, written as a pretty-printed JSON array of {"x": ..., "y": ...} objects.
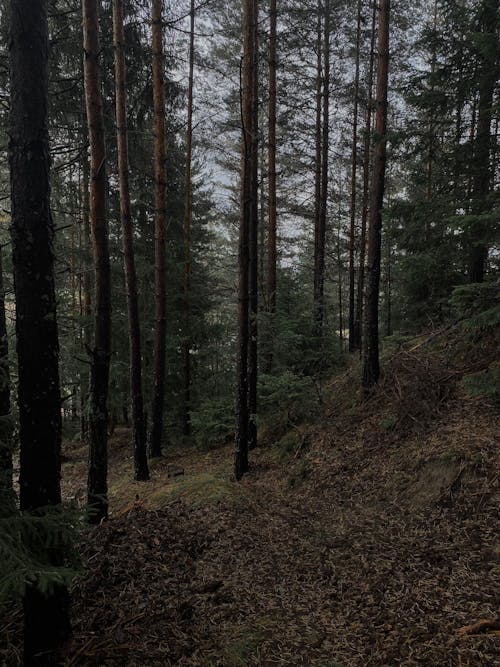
[
  {"x": 246, "y": 221},
  {"x": 139, "y": 435},
  {"x": 100, "y": 357},
  {"x": 158, "y": 404},
  {"x": 188, "y": 214},
  {"x": 46, "y": 613},
  {"x": 371, "y": 367}
]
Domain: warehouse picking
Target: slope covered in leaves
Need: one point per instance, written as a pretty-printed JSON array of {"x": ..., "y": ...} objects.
[{"x": 373, "y": 540}]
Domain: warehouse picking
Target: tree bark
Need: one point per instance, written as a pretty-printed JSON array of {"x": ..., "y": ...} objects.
[
  {"x": 187, "y": 233},
  {"x": 158, "y": 404},
  {"x": 246, "y": 215},
  {"x": 320, "y": 286},
  {"x": 99, "y": 372},
  {"x": 272, "y": 241},
  {"x": 86, "y": 304},
  {"x": 354, "y": 164},
  {"x": 253, "y": 243},
  {"x": 317, "y": 160},
  {"x": 46, "y": 614},
  {"x": 141, "y": 471},
  {"x": 7, "y": 495},
  {"x": 358, "y": 317},
  {"x": 482, "y": 148},
  {"x": 371, "y": 366}
]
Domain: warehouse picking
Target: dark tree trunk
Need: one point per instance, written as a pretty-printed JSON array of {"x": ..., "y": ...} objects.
[
  {"x": 160, "y": 351},
  {"x": 272, "y": 241},
  {"x": 7, "y": 495},
  {"x": 99, "y": 372},
  {"x": 246, "y": 217},
  {"x": 358, "y": 317},
  {"x": 141, "y": 471},
  {"x": 253, "y": 244},
  {"x": 86, "y": 305},
  {"x": 317, "y": 159},
  {"x": 187, "y": 234},
  {"x": 371, "y": 367},
  {"x": 482, "y": 148},
  {"x": 354, "y": 164},
  {"x": 46, "y": 614},
  {"x": 320, "y": 286}
]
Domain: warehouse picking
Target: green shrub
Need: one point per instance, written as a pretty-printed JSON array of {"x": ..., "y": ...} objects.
[{"x": 213, "y": 423}]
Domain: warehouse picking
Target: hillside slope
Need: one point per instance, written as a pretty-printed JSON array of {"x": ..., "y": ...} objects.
[{"x": 375, "y": 541}]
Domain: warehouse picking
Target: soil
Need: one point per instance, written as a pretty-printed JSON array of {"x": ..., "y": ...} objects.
[{"x": 375, "y": 542}]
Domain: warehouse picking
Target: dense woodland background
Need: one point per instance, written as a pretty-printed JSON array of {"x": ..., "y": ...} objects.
[{"x": 214, "y": 241}]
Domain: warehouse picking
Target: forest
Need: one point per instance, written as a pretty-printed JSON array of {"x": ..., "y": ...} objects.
[{"x": 249, "y": 333}]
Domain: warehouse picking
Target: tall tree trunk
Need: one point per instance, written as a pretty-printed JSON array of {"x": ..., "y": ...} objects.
[
  {"x": 158, "y": 405},
  {"x": 86, "y": 307},
  {"x": 246, "y": 216},
  {"x": 341, "y": 297},
  {"x": 320, "y": 294},
  {"x": 253, "y": 244},
  {"x": 7, "y": 495},
  {"x": 317, "y": 159},
  {"x": 272, "y": 241},
  {"x": 99, "y": 373},
  {"x": 46, "y": 613},
  {"x": 489, "y": 69},
  {"x": 141, "y": 471},
  {"x": 187, "y": 234},
  {"x": 371, "y": 367},
  {"x": 354, "y": 164},
  {"x": 358, "y": 316}
]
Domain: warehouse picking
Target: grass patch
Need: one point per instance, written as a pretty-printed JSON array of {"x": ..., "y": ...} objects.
[
  {"x": 197, "y": 490},
  {"x": 246, "y": 642}
]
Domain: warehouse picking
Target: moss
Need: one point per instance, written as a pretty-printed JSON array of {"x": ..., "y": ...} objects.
[{"x": 198, "y": 490}]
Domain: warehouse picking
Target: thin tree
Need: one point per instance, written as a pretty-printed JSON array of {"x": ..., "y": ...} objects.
[
  {"x": 321, "y": 232},
  {"x": 358, "y": 316},
  {"x": 158, "y": 405},
  {"x": 488, "y": 79},
  {"x": 354, "y": 164},
  {"x": 371, "y": 366},
  {"x": 141, "y": 471},
  {"x": 46, "y": 612},
  {"x": 188, "y": 214},
  {"x": 97, "y": 491},
  {"x": 7, "y": 495},
  {"x": 246, "y": 214},
  {"x": 317, "y": 160},
  {"x": 272, "y": 238},
  {"x": 253, "y": 242},
  {"x": 86, "y": 299}
]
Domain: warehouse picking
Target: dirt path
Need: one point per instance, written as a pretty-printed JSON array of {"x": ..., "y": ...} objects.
[{"x": 325, "y": 562}]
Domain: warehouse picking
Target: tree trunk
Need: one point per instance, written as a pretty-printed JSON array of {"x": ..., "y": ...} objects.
[
  {"x": 320, "y": 295},
  {"x": 158, "y": 404},
  {"x": 141, "y": 471},
  {"x": 187, "y": 234},
  {"x": 482, "y": 169},
  {"x": 358, "y": 317},
  {"x": 272, "y": 241},
  {"x": 86, "y": 307},
  {"x": 46, "y": 613},
  {"x": 246, "y": 216},
  {"x": 354, "y": 164},
  {"x": 371, "y": 367},
  {"x": 7, "y": 495},
  {"x": 317, "y": 159},
  {"x": 253, "y": 244},
  {"x": 99, "y": 372}
]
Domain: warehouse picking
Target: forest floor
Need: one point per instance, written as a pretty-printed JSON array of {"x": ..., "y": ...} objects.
[{"x": 374, "y": 540}]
